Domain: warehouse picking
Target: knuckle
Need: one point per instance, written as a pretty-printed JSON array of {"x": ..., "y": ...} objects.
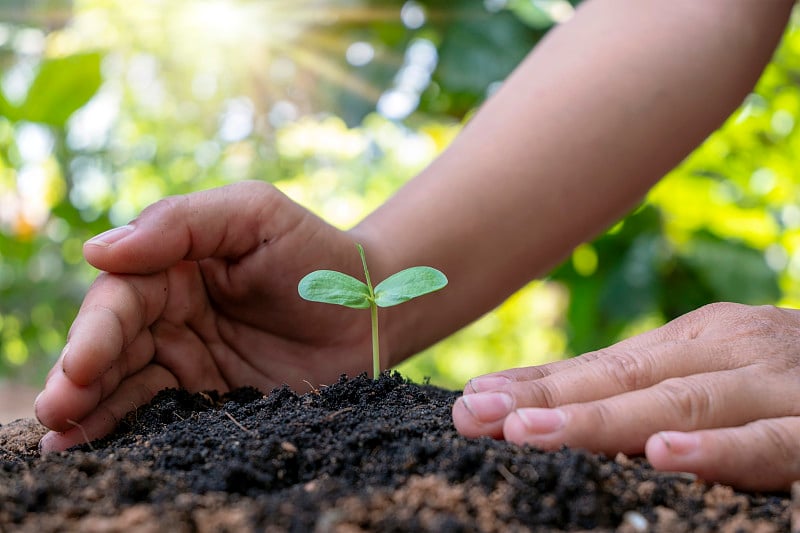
[
  {"x": 727, "y": 307},
  {"x": 721, "y": 308},
  {"x": 765, "y": 320},
  {"x": 744, "y": 324},
  {"x": 716, "y": 310},
  {"x": 776, "y": 449},
  {"x": 630, "y": 371},
  {"x": 690, "y": 401},
  {"x": 602, "y": 416},
  {"x": 781, "y": 447},
  {"x": 165, "y": 207},
  {"x": 590, "y": 357},
  {"x": 750, "y": 320},
  {"x": 693, "y": 324},
  {"x": 543, "y": 394}
]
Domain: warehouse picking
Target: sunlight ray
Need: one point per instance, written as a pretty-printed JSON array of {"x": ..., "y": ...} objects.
[{"x": 334, "y": 72}]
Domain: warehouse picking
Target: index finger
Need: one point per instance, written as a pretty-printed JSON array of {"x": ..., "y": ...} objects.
[
  {"x": 226, "y": 222},
  {"x": 682, "y": 329}
]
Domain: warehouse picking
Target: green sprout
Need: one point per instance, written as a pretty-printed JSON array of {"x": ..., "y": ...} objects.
[{"x": 332, "y": 287}]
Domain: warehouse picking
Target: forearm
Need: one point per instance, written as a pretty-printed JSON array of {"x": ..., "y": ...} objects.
[{"x": 604, "y": 106}]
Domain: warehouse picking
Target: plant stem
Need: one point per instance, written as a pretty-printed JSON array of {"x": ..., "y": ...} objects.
[
  {"x": 373, "y": 311},
  {"x": 376, "y": 356}
]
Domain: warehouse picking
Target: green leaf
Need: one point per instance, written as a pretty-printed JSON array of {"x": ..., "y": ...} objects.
[
  {"x": 481, "y": 51},
  {"x": 62, "y": 86},
  {"x": 331, "y": 287},
  {"x": 733, "y": 271},
  {"x": 408, "y": 284}
]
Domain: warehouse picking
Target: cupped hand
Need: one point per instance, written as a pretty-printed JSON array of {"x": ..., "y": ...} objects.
[
  {"x": 200, "y": 291},
  {"x": 715, "y": 392}
]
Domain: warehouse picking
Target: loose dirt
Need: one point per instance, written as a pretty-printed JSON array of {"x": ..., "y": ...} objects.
[{"x": 358, "y": 455}]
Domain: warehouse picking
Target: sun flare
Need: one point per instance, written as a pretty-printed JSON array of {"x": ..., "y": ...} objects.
[{"x": 287, "y": 46}]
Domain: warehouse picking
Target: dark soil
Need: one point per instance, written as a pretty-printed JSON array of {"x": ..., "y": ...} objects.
[{"x": 358, "y": 455}]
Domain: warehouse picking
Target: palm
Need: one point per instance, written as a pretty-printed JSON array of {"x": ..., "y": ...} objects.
[{"x": 239, "y": 327}]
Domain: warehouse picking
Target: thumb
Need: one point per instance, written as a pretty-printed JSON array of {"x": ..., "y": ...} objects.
[{"x": 226, "y": 222}]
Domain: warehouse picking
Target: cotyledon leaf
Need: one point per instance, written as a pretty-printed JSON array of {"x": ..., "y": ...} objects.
[
  {"x": 408, "y": 284},
  {"x": 329, "y": 286}
]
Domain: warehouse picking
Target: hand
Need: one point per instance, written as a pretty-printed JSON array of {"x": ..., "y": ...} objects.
[
  {"x": 200, "y": 292},
  {"x": 715, "y": 392}
]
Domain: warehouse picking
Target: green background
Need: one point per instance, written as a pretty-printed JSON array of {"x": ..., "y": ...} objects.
[{"x": 107, "y": 106}]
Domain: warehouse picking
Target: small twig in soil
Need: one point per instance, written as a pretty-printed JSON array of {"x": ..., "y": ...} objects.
[
  {"x": 312, "y": 387},
  {"x": 337, "y": 413},
  {"x": 681, "y": 476},
  {"x": 83, "y": 431},
  {"x": 239, "y": 425},
  {"x": 288, "y": 447},
  {"x": 135, "y": 412},
  {"x": 513, "y": 480},
  {"x": 207, "y": 397}
]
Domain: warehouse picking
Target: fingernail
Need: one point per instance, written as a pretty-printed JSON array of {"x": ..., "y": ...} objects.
[
  {"x": 111, "y": 236},
  {"x": 484, "y": 383},
  {"x": 679, "y": 443},
  {"x": 542, "y": 421},
  {"x": 44, "y": 442},
  {"x": 488, "y": 406}
]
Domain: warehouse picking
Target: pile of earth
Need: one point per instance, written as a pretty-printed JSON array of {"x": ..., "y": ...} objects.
[{"x": 358, "y": 455}]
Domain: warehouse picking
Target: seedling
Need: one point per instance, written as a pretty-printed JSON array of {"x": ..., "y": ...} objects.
[{"x": 332, "y": 287}]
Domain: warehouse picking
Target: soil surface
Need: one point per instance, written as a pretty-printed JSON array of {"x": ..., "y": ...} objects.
[{"x": 359, "y": 455}]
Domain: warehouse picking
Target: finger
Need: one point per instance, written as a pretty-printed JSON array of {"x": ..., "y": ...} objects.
[
  {"x": 678, "y": 333},
  {"x": 760, "y": 456},
  {"x": 132, "y": 393},
  {"x": 708, "y": 319},
  {"x": 115, "y": 311},
  {"x": 226, "y": 222},
  {"x": 81, "y": 400},
  {"x": 137, "y": 355},
  {"x": 107, "y": 341},
  {"x": 684, "y": 328},
  {"x": 624, "y": 422},
  {"x": 63, "y": 400},
  {"x": 634, "y": 364}
]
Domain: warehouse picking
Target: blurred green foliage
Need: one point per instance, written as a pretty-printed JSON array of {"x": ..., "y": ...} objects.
[{"x": 107, "y": 106}]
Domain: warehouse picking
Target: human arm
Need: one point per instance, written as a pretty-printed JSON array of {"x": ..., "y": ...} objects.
[
  {"x": 598, "y": 112},
  {"x": 713, "y": 393}
]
